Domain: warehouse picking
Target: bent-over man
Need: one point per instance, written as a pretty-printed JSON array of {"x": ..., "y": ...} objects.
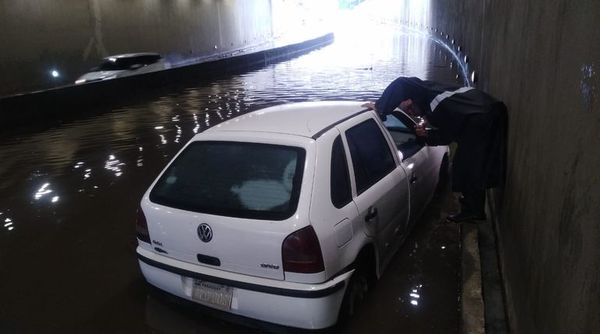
[{"x": 467, "y": 116}]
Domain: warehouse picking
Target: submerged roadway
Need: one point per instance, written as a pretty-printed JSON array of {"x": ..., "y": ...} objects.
[{"x": 69, "y": 194}]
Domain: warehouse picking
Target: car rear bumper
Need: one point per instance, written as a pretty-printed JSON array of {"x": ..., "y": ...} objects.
[{"x": 309, "y": 306}]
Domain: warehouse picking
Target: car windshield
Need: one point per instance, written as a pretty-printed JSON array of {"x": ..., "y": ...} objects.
[
  {"x": 245, "y": 180},
  {"x": 393, "y": 122}
]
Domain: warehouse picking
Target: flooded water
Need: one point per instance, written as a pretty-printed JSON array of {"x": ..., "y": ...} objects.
[{"x": 69, "y": 194}]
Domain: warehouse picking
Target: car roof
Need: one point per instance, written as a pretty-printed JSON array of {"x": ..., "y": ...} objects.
[
  {"x": 131, "y": 55},
  {"x": 307, "y": 119}
]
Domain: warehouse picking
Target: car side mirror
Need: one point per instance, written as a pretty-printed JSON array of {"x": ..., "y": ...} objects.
[
  {"x": 135, "y": 66},
  {"x": 400, "y": 155}
]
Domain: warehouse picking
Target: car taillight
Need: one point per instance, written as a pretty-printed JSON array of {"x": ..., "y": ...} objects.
[
  {"x": 141, "y": 227},
  {"x": 301, "y": 252}
]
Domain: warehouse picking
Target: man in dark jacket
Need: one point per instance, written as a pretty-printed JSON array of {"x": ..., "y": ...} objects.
[{"x": 467, "y": 116}]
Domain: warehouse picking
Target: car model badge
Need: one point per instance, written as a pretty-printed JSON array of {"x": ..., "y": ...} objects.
[{"x": 205, "y": 232}]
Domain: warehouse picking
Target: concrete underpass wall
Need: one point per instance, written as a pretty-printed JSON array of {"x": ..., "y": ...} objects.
[
  {"x": 72, "y": 36},
  {"x": 542, "y": 58}
]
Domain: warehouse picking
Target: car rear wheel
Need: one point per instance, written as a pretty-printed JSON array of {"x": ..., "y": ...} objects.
[{"x": 357, "y": 289}]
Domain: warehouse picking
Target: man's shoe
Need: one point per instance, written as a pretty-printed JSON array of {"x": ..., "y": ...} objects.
[{"x": 465, "y": 216}]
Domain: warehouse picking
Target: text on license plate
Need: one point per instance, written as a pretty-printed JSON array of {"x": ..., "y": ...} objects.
[{"x": 213, "y": 294}]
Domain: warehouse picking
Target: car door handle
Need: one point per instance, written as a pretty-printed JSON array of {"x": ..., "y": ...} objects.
[
  {"x": 371, "y": 214},
  {"x": 413, "y": 178}
]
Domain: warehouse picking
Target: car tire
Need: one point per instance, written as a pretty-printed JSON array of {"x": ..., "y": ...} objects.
[{"x": 357, "y": 289}]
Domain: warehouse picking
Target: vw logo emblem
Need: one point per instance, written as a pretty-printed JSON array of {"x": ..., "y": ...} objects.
[{"x": 205, "y": 232}]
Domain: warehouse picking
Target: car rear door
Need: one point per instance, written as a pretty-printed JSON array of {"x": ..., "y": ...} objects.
[{"x": 380, "y": 184}]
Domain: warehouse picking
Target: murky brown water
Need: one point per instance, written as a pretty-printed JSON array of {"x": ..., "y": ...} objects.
[{"x": 69, "y": 193}]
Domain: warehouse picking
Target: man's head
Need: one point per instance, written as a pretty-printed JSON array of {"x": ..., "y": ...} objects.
[{"x": 409, "y": 107}]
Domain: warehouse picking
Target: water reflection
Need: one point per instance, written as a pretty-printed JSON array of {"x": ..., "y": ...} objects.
[
  {"x": 196, "y": 125},
  {"x": 114, "y": 165},
  {"x": 140, "y": 158},
  {"x": 42, "y": 191},
  {"x": 415, "y": 295},
  {"x": 8, "y": 223},
  {"x": 178, "y": 133}
]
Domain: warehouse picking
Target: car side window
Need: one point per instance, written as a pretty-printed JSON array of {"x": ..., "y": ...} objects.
[
  {"x": 148, "y": 60},
  {"x": 371, "y": 156},
  {"x": 340, "y": 177},
  {"x": 403, "y": 136},
  {"x": 136, "y": 62}
]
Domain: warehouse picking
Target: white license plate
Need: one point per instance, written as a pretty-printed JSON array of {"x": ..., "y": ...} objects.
[{"x": 212, "y": 294}]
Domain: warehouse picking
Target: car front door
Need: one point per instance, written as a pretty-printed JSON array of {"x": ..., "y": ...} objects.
[
  {"x": 415, "y": 157},
  {"x": 380, "y": 183}
]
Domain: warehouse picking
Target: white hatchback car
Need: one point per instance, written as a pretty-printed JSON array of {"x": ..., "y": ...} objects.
[{"x": 286, "y": 214}]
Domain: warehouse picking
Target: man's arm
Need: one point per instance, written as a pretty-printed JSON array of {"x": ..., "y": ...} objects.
[
  {"x": 399, "y": 90},
  {"x": 432, "y": 137}
]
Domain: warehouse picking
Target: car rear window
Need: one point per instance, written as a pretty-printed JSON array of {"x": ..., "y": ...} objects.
[{"x": 235, "y": 179}]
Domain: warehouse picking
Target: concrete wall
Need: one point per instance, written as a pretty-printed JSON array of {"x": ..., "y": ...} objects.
[
  {"x": 71, "y": 36},
  {"x": 542, "y": 57}
]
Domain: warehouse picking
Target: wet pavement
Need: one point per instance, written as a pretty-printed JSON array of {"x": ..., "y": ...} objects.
[{"x": 69, "y": 194}]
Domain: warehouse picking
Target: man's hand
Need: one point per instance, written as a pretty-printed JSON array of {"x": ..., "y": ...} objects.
[
  {"x": 369, "y": 105},
  {"x": 420, "y": 130}
]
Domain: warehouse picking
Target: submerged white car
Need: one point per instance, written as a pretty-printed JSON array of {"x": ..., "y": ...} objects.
[
  {"x": 124, "y": 65},
  {"x": 286, "y": 214}
]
